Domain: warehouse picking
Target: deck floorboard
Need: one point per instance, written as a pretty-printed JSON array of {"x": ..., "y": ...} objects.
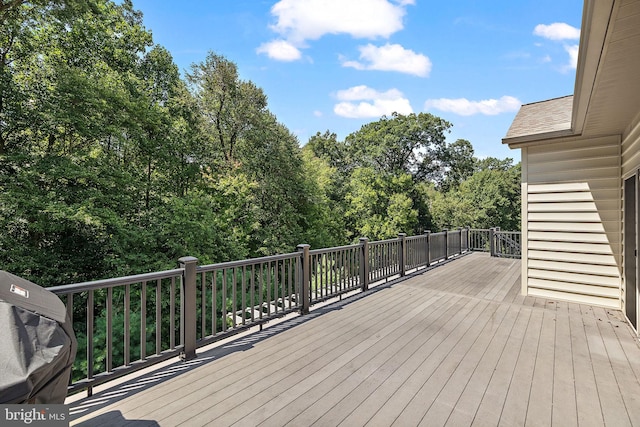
[{"x": 454, "y": 345}]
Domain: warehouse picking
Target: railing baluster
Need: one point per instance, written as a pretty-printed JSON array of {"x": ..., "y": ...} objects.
[
  {"x": 224, "y": 300},
  {"x": 343, "y": 262},
  {"x": 289, "y": 283},
  {"x": 253, "y": 292},
  {"x": 261, "y": 284},
  {"x": 324, "y": 262},
  {"x": 143, "y": 321},
  {"x": 234, "y": 296},
  {"x": 244, "y": 294},
  {"x": 269, "y": 278},
  {"x": 203, "y": 307},
  {"x": 158, "y": 317},
  {"x": 401, "y": 251},
  {"x": 214, "y": 302},
  {"x": 109, "y": 319},
  {"x": 172, "y": 314},
  {"x": 90, "y": 308},
  {"x": 283, "y": 289},
  {"x": 127, "y": 324}
]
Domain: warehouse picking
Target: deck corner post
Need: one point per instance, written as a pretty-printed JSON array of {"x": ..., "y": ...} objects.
[
  {"x": 428, "y": 248},
  {"x": 446, "y": 243},
  {"x": 305, "y": 278},
  {"x": 188, "y": 307},
  {"x": 364, "y": 263},
  {"x": 492, "y": 242},
  {"x": 402, "y": 255},
  {"x": 460, "y": 241},
  {"x": 468, "y": 242}
]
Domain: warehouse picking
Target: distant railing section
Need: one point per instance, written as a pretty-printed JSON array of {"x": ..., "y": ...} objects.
[
  {"x": 479, "y": 239},
  {"x": 438, "y": 246},
  {"x": 384, "y": 259},
  {"x": 417, "y": 251},
  {"x": 128, "y": 323},
  {"x": 507, "y": 244},
  {"x": 233, "y": 295},
  {"x": 334, "y": 271}
]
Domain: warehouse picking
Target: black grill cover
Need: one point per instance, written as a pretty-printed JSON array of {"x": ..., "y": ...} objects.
[{"x": 37, "y": 343}]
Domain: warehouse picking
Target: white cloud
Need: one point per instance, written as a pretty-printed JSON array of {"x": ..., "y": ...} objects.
[
  {"x": 280, "y": 50},
  {"x": 572, "y": 50},
  {"x": 560, "y": 31},
  {"x": 391, "y": 57},
  {"x": 364, "y": 92},
  {"x": 464, "y": 107},
  {"x": 300, "y": 20},
  {"x": 373, "y": 103},
  {"x": 557, "y": 31},
  {"x": 317, "y": 113}
]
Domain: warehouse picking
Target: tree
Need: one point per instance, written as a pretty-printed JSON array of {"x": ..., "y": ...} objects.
[
  {"x": 459, "y": 164},
  {"x": 379, "y": 205},
  {"x": 83, "y": 120},
  {"x": 400, "y": 144},
  {"x": 324, "y": 220},
  {"x": 230, "y": 106},
  {"x": 489, "y": 198},
  {"x": 271, "y": 158}
]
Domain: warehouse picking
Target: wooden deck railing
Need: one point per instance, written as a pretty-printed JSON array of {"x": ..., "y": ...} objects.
[{"x": 129, "y": 323}]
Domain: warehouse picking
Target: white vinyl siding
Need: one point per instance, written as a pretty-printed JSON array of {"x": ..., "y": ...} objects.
[
  {"x": 631, "y": 149},
  {"x": 573, "y": 220}
]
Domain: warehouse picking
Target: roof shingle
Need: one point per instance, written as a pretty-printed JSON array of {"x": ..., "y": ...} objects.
[{"x": 542, "y": 117}]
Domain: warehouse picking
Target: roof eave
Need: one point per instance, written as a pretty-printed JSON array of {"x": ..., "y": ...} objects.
[
  {"x": 595, "y": 23},
  {"x": 536, "y": 139}
]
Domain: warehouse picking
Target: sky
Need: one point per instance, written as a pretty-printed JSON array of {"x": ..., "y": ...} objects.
[{"x": 338, "y": 64}]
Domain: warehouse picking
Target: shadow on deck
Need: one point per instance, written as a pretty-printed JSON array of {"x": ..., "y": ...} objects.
[{"x": 455, "y": 345}]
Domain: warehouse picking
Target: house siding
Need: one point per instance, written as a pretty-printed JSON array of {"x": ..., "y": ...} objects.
[
  {"x": 573, "y": 221},
  {"x": 631, "y": 148}
]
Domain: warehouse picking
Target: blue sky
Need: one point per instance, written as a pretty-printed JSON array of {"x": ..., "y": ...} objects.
[{"x": 338, "y": 64}]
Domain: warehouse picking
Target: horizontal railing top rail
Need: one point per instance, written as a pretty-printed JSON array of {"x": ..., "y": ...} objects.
[
  {"x": 126, "y": 323},
  {"x": 246, "y": 262},
  {"x": 334, "y": 249},
  {"x": 117, "y": 281},
  {"x": 383, "y": 242}
]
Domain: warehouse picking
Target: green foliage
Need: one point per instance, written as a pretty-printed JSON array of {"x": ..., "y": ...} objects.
[
  {"x": 459, "y": 164},
  {"x": 489, "y": 198},
  {"x": 400, "y": 144},
  {"x": 379, "y": 206}
]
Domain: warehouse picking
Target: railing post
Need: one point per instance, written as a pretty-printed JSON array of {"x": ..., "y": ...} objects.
[
  {"x": 460, "y": 240},
  {"x": 446, "y": 243},
  {"x": 403, "y": 253},
  {"x": 428, "y": 233},
  {"x": 492, "y": 242},
  {"x": 305, "y": 278},
  {"x": 188, "y": 308},
  {"x": 468, "y": 248},
  {"x": 364, "y": 263}
]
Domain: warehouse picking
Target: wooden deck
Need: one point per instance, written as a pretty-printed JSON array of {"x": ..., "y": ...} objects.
[{"x": 457, "y": 345}]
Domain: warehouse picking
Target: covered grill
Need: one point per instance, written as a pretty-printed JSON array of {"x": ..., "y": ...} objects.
[{"x": 37, "y": 343}]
